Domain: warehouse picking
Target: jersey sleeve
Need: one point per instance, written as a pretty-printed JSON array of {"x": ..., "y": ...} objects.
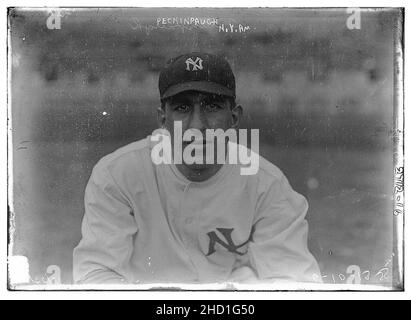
[
  {"x": 279, "y": 250},
  {"x": 104, "y": 252}
]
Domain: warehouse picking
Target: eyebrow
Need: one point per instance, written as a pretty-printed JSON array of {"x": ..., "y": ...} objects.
[
  {"x": 215, "y": 97},
  {"x": 179, "y": 98},
  {"x": 208, "y": 97}
]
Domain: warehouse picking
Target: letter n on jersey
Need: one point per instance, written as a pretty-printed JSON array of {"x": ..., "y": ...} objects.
[{"x": 227, "y": 242}]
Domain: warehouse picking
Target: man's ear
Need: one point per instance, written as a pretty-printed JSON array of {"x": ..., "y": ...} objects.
[
  {"x": 237, "y": 114},
  {"x": 161, "y": 116}
]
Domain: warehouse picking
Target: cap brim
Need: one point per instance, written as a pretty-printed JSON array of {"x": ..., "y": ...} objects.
[{"x": 203, "y": 86}]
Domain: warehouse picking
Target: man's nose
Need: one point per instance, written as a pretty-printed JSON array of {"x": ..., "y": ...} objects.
[{"x": 198, "y": 120}]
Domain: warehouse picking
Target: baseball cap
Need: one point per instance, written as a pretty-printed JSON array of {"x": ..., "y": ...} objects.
[{"x": 197, "y": 71}]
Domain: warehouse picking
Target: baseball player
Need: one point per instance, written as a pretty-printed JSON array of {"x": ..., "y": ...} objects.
[{"x": 191, "y": 223}]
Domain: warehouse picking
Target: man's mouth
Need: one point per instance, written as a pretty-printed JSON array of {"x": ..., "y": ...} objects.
[{"x": 198, "y": 142}]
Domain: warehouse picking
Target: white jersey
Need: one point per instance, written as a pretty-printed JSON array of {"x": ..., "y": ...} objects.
[{"x": 146, "y": 223}]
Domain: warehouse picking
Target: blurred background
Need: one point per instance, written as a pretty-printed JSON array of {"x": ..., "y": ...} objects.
[{"x": 320, "y": 93}]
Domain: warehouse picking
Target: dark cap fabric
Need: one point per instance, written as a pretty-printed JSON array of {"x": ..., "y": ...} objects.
[{"x": 197, "y": 71}]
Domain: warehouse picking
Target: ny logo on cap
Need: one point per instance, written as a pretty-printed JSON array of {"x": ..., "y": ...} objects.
[{"x": 195, "y": 65}]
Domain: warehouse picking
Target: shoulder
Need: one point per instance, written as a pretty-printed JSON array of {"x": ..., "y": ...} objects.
[
  {"x": 124, "y": 156},
  {"x": 256, "y": 168},
  {"x": 269, "y": 171},
  {"x": 270, "y": 177},
  {"x": 271, "y": 188},
  {"x": 125, "y": 167},
  {"x": 264, "y": 173},
  {"x": 275, "y": 187}
]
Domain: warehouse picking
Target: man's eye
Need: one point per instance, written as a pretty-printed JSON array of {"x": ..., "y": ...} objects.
[
  {"x": 182, "y": 108},
  {"x": 212, "y": 107}
]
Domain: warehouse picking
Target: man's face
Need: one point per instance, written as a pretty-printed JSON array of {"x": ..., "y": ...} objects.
[{"x": 201, "y": 111}]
